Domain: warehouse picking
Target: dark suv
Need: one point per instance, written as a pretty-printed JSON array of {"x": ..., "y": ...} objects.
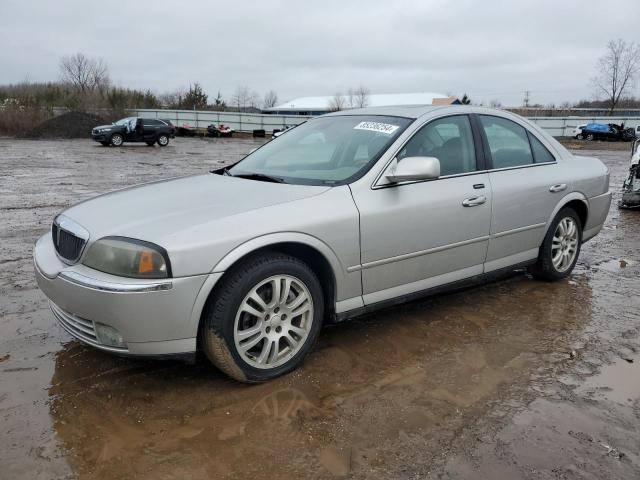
[{"x": 135, "y": 129}]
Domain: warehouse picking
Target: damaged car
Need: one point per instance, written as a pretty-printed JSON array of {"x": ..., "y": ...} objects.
[
  {"x": 631, "y": 186},
  {"x": 347, "y": 213}
]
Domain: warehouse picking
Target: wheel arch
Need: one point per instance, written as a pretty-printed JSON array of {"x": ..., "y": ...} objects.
[
  {"x": 318, "y": 255},
  {"x": 574, "y": 200}
]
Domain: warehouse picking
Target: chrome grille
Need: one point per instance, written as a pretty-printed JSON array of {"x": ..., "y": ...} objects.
[{"x": 68, "y": 245}]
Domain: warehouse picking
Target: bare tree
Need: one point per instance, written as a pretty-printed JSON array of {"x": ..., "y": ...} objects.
[
  {"x": 244, "y": 98},
  {"x": 350, "y": 100},
  {"x": 83, "y": 73},
  {"x": 617, "y": 71},
  {"x": 270, "y": 99},
  {"x": 466, "y": 100},
  {"x": 337, "y": 103},
  {"x": 360, "y": 97},
  {"x": 254, "y": 99}
]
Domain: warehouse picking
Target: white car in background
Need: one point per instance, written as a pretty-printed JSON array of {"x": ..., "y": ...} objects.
[{"x": 577, "y": 131}]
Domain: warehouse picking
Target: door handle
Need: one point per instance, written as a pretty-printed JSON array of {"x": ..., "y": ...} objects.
[
  {"x": 474, "y": 201},
  {"x": 558, "y": 187}
]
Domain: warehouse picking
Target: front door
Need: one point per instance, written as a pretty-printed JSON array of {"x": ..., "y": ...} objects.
[{"x": 418, "y": 235}]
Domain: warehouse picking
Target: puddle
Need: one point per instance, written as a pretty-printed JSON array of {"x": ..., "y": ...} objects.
[{"x": 619, "y": 382}]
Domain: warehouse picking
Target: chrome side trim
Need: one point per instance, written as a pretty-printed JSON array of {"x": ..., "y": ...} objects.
[
  {"x": 518, "y": 230},
  {"x": 88, "y": 282},
  {"x": 419, "y": 253}
]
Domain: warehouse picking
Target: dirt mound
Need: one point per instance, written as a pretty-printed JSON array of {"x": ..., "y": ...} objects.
[{"x": 67, "y": 125}]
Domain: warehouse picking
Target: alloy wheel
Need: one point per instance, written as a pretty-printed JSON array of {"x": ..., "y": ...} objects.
[
  {"x": 564, "y": 245},
  {"x": 273, "y": 321}
]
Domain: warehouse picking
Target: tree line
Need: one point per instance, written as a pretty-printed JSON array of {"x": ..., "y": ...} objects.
[{"x": 84, "y": 84}]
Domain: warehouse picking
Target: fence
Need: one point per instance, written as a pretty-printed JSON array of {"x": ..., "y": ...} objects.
[
  {"x": 242, "y": 122},
  {"x": 246, "y": 122}
]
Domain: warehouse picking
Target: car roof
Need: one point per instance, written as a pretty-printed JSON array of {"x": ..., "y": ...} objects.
[
  {"x": 417, "y": 111},
  {"x": 407, "y": 111}
]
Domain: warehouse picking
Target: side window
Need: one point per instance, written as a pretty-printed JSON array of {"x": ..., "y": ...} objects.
[
  {"x": 540, "y": 152},
  {"x": 508, "y": 142},
  {"x": 449, "y": 139},
  {"x": 152, "y": 122}
]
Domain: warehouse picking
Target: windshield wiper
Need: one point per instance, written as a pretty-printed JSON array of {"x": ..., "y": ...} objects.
[{"x": 258, "y": 176}]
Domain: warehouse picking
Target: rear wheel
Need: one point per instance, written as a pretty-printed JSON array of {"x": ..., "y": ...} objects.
[
  {"x": 264, "y": 318},
  {"x": 163, "y": 140},
  {"x": 590, "y": 137},
  {"x": 117, "y": 140},
  {"x": 561, "y": 246}
]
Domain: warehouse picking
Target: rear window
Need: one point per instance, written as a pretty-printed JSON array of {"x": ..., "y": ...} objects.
[
  {"x": 540, "y": 152},
  {"x": 508, "y": 142}
]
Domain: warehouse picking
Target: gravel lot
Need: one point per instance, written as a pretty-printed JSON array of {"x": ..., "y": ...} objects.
[{"x": 514, "y": 379}]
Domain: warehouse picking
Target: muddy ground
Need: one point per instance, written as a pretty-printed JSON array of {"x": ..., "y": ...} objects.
[{"x": 513, "y": 379}]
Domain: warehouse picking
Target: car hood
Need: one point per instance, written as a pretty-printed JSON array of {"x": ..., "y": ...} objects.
[
  {"x": 103, "y": 126},
  {"x": 157, "y": 211}
]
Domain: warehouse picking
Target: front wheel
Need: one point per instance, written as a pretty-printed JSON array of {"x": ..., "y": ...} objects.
[
  {"x": 163, "y": 140},
  {"x": 264, "y": 318},
  {"x": 590, "y": 137},
  {"x": 580, "y": 136},
  {"x": 117, "y": 140},
  {"x": 561, "y": 246}
]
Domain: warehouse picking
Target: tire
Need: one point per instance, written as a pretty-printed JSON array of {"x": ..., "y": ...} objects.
[
  {"x": 163, "y": 140},
  {"x": 590, "y": 137},
  {"x": 116, "y": 140},
  {"x": 225, "y": 318},
  {"x": 150, "y": 144},
  {"x": 580, "y": 136},
  {"x": 549, "y": 269}
]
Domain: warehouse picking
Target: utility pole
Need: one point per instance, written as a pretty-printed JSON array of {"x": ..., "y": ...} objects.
[{"x": 525, "y": 101}]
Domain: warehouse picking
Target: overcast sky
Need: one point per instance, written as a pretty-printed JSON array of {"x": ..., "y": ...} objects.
[{"x": 490, "y": 49}]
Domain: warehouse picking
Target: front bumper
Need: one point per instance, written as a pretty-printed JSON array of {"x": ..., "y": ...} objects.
[
  {"x": 100, "y": 137},
  {"x": 154, "y": 317}
]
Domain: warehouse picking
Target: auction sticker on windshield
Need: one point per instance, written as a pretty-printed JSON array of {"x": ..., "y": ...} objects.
[{"x": 377, "y": 127}]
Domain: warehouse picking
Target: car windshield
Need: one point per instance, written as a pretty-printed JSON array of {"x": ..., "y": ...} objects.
[
  {"x": 123, "y": 121},
  {"x": 324, "y": 151}
]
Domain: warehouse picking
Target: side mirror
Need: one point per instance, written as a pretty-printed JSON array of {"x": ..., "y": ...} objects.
[{"x": 413, "y": 168}]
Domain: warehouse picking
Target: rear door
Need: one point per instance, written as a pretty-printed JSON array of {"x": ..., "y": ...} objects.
[
  {"x": 527, "y": 184},
  {"x": 150, "y": 128}
]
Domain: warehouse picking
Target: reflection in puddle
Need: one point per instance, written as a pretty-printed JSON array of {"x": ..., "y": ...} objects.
[{"x": 379, "y": 394}]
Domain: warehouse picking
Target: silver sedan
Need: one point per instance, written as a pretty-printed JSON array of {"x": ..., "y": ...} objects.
[{"x": 346, "y": 213}]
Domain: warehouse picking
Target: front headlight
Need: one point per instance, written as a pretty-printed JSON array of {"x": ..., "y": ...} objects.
[
  {"x": 128, "y": 257},
  {"x": 103, "y": 130}
]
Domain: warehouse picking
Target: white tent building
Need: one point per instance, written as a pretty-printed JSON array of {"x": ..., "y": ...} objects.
[{"x": 322, "y": 104}]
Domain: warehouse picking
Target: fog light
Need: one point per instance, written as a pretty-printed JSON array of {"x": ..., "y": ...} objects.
[{"x": 109, "y": 336}]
